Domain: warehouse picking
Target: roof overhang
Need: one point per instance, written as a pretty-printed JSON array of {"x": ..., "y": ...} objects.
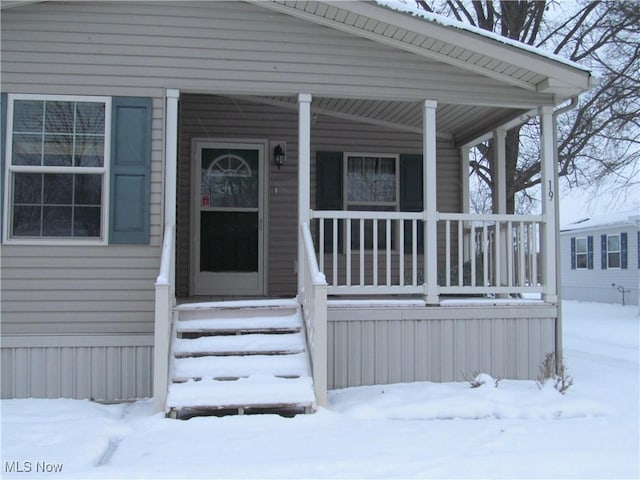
[{"x": 440, "y": 39}]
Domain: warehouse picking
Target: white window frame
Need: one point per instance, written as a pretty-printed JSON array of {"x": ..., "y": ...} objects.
[
  {"x": 11, "y": 169},
  {"x": 619, "y": 251},
  {"x": 585, "y": 253}
]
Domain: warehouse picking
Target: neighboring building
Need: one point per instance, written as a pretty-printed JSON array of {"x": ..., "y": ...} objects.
[
  {"x": 175, "y": 152},
  {"x": 601, "y": 258}
]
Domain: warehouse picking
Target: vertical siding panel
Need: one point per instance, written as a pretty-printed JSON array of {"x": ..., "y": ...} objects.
[
  {"x": 382, "y": 355},
  {"x": 83, "y": 373},
  {"x": 395, "y": 348},
  {"x": 409, "y": 350},
  {"x": 6, "y": 368},
  {"x": 448, "y": 350},
  {"x": 434, "y": 350},
  {"x": 535, "y": 336},
  {"x": 331, "y": 355},
  {"x": 342, "y": 355},
  {"x": 68, "y": 381},
  {"x": 522, "y": 334},
  {"x": 52, "y": 372},
  {"x": 368, "y": 352},
  {"x": 354, "y": 341}
]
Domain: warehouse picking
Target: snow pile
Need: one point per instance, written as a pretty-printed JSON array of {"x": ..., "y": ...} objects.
[{"x": 442, "y": 401}]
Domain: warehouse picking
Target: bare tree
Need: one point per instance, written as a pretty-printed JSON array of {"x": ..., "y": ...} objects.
[{"x": 598, "y": 141}]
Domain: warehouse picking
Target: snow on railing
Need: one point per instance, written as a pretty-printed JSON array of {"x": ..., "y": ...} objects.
[
  {"x": 164, "y": 303},
  {"x": 313, "y": 299}
]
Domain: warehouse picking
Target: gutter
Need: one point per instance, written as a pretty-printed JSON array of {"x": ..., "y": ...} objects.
[{"x": 559, "y": 350}]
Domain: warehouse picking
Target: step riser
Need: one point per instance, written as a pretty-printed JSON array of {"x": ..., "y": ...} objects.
[{"x": 229, "y": 332}]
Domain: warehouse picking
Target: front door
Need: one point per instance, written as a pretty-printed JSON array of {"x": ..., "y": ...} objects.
[{"x": 228, "y": 255}]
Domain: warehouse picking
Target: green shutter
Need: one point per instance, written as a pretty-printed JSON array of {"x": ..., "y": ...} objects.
[
  {"x": 411, "y": 195},
  {"x": 603, "y": 252},
  {"x": 329, "y": 191},
  {"x": 590, "y": 252},
  {"x": 573, "y": 253},
  {"x": 130, "y": 170},
  {"x": 3, "y": 137}
]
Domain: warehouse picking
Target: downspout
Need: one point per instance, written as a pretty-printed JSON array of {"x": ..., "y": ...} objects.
[{"x": 559, "y": 350}]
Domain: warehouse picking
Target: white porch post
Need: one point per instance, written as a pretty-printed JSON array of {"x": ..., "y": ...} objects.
[
  {"x": 304, "y": 176},
  {"x": 548, "y": 168},
  {"x": 165, "y": 289},
  {"x": 500, "y": 203},
  {"x": 500, "y": 180},
  {"x": 466, "y": 201},
  {"x": 429, "y": 198}
]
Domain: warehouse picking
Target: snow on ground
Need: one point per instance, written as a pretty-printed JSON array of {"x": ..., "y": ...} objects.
[{"x": 421, "y": 430}]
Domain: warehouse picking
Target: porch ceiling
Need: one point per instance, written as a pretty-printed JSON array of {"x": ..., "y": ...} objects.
[{"x": 459, "y": 123}]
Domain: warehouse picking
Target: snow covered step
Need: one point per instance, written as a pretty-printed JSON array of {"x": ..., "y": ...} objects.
[
  {"x": 250, "y": 344},
  {"x": 256, "y": 391},
  {"x": 292, "y": 366},
  {"x": 235, "y": 326},
  {"x": 236, "y": 310}
]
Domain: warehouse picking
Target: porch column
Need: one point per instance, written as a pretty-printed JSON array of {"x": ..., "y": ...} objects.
[
  {"x": 171, "y": 157},
  {"x": 304, "y": 176},
  {"x": 500, "y": 204},
  {"x": 549, "y": 172},
  {"x": 466, "y": 201},
  {"x": 429, "y": 199},
  {"x": 500, "y": 180},
  {"x": 165, "y": 291}
]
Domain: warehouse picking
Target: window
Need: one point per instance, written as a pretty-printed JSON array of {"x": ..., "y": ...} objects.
[
  {"x": 371, "y": 184},
  {"x": 581, "y": 253},
  {"x": 613, "y": 251},
  {"x": 57, "y": 162}
]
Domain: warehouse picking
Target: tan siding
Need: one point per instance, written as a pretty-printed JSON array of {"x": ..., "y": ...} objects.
[
  {"x": 219, "y": 46},
  {"x": 223, "y": 117},
  {"x": 78, "y": 289},
  {"x": 375, "y": 345}
]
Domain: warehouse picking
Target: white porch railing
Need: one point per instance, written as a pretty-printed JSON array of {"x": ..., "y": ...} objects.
[
  {"x": 313, "y": 298},
  {"x": 383, "y": 252},
  {"x": 490, "y": 254},
  {"x": 164, "y": 302}
]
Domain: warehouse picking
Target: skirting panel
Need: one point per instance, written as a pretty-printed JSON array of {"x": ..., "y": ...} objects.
[
  {"x": 440, "y": 344},
  {"x": 103, "y": 368}
]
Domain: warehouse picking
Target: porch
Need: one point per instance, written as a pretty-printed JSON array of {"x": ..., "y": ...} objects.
[{"x": 426, "y": 295}]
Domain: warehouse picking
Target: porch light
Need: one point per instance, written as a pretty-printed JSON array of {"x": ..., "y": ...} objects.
[{"x": 278, "y": 156}]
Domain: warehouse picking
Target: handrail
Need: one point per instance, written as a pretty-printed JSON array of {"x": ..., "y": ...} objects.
[
  {"x": 164, "y": 303},
  {"x": 165, "y": 259},
  {"x": 317, "y": 276},
  {"x": 313, "y": 298}
]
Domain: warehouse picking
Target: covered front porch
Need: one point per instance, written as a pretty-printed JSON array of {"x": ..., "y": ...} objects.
[{"x": 377, "y": 286}]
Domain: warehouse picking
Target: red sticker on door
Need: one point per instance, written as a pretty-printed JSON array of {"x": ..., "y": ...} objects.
[{"x": 205, "y": 200}]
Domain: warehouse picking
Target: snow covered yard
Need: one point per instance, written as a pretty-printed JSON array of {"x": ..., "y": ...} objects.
[{"x": 422, "y": 430}]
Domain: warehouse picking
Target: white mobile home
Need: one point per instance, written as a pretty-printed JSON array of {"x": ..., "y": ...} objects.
[
  {"x": 310, "y": 156},
  {"x": 600, "y": 258}
]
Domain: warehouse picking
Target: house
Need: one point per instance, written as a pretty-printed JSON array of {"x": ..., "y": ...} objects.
[
  {"x": 309, "y": 156},
  {"x": 601, "y": 258}
]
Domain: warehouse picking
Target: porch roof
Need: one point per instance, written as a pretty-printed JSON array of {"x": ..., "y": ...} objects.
[
  {"x": 542, "y": 76},
  {"x": 435, "y": 37}
]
